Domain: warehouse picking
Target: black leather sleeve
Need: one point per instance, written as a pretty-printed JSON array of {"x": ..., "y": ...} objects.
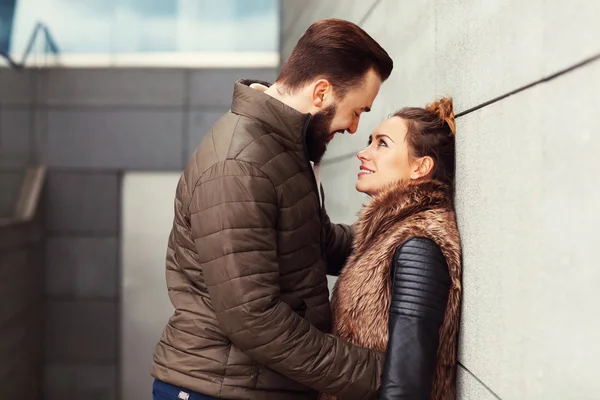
[{"x": 421, "y": 284}]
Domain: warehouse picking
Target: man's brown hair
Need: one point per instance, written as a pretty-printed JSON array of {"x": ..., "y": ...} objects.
[{"x": 338, "y": 51}]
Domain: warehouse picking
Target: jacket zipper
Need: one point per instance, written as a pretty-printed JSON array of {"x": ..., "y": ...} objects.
[
  {"x": 315, "y": 186},
  {"x": 314, "y": 180}
]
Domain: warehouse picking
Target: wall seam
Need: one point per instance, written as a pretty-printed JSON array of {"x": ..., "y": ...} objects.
[
  {"x": 548, "y": 78},
  {"x": 368, "y": 13},
  {"x": 591, "y": 60},
  {"x": 479, "y": 380}
]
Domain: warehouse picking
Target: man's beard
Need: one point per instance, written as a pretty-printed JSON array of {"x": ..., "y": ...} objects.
[{"x": 317, "y": 133}]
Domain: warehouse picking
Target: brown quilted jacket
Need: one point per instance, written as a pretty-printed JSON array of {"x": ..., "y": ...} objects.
[{"x": 246, "y": 266}]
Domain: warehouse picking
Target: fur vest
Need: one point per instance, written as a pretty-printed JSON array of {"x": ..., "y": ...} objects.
[{"x": 362, "y": 295}]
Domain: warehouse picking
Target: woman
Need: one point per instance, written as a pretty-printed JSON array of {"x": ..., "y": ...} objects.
[{"x": 400, "y": 291}]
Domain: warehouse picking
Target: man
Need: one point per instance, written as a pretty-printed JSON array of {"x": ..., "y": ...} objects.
[{"x": 251, "y": 243}]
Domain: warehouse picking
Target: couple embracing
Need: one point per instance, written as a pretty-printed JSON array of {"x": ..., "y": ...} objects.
[{"x": 251, "y": 243}]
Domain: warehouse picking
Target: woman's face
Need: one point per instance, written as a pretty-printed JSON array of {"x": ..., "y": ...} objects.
[{"x": 386, "y": 160}]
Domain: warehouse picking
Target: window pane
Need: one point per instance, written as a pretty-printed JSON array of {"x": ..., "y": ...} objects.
[
  {"x": 196, "y": 25},
  {"x": 7, "y": 8},
  {"x": 145, "y": 26},
  {"x": 77, "y": 26}
]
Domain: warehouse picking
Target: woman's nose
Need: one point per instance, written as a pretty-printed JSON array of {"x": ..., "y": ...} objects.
[{"x": 361, "y": 155}]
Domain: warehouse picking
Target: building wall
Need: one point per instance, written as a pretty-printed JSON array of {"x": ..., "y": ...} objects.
[
  {"x": 146, "y": 304},
  {"x": 21, "y": 310},
  {"x": 18, "y": 96},
  {"x": 90, "y": 127},
  {"x": 21, "y": 247},
  {"x": 98, "y": 125},
  {"x": 525, "y": 81}
]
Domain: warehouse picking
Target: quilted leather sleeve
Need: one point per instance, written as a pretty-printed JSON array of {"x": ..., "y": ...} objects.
[
  {"x": 421, "y": 284},
  {"x": 233, "y": 218}
]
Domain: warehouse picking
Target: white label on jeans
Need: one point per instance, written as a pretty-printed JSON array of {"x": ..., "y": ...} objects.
[{"x": 184, "y": 396}]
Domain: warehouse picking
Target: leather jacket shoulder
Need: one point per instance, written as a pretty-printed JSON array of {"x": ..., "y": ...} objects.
[{"x": 420, "y": 287}]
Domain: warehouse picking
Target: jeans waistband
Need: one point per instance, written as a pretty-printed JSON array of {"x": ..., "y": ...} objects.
[{"x": 177, "y": 393}]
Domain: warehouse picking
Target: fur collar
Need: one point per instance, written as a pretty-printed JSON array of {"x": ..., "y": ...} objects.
[
  {"x": 397, "y": 202},
  {"x": 362, "y": 295}
]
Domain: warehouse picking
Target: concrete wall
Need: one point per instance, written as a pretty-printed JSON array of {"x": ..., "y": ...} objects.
[
  {"x": 18, "y": 96},
  {"x": 21, "y": 247},
  {"x": 527, "y": 173},
  {"x": 145, "y": 228},
  {"x": 90, "y": 126},
  {"x": 96, "y": 125},
  {"x": 21, "y": 310}
]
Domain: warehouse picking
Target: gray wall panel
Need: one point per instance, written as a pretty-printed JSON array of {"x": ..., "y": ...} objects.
[
  {"x": 123, "y": 139},
  {"x": 110, "y": 87},
  {"x": 213, "y": 88},
  {"x": 82, "y": 266},
  {"x": 83, "y": 202},
  {"x": 526, "y": 185}
]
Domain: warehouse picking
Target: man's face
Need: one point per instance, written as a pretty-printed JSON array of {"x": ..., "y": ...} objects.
[
  {"x": 318, "y": 133},
  {"x": 340, "y": 115}
]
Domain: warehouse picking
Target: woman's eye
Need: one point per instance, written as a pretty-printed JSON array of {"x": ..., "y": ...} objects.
[{"x": 382, "y": 143}]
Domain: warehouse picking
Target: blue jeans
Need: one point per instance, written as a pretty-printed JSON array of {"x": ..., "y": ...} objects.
[{"x": 165, "y": 391}]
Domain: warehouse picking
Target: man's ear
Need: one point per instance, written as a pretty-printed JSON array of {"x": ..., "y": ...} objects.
[
  {"x": 421, "y": 167},
  {"x": 321, "y": 91}
]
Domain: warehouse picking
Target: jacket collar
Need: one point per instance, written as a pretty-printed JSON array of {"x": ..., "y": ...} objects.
[
  {"x": 397, "y": 202},
  {"x": 279, "y": 117}
]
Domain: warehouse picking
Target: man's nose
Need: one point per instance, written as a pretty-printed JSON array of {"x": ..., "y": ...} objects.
[{"x": 353, "y": 127}]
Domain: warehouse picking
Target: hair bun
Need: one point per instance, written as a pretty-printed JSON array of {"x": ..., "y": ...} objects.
[{"x": 444, "y": 109}]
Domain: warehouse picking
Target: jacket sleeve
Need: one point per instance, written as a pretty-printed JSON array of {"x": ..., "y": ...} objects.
[
  {"x": 421, "y": 283},
  {"x": 233, "y": 215},
  {"x": 338, "y": 244}
]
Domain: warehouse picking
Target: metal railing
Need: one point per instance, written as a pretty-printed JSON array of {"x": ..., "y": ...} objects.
[
  {"x": 29, "y": 196},
  {"x": 49, "y": 46}
]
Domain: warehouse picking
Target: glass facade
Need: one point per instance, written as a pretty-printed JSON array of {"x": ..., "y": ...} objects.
[
  {"x": 109, "y": 28},
  {"x": 7, "y": 9}
]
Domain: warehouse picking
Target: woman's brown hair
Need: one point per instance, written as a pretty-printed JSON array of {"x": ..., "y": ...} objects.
[{"x": 431, "y": 132}]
